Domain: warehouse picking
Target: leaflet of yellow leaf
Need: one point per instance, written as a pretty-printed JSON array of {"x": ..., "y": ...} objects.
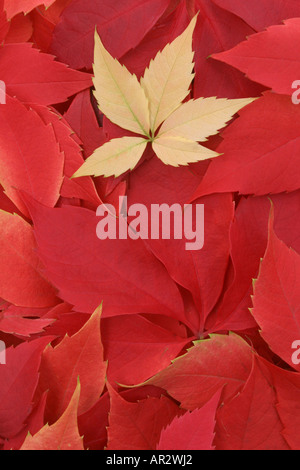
[
  {"x": 199, "y": 119},
  {"x": 114, "y": 158},
  {"x": 169, "y": 76},
  {"x": 119, "y": 94},
  {"x": 176, "y": 151}
]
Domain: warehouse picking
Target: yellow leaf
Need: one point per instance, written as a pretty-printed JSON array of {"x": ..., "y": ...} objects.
[
  {"x": 199, "y": 119},
  {"x": 114, "y": 158},
  {"x": 168, "y": 78},
  {"x": 119, "y": 93},
  {"x": 143, "y": 108},
  {"x": 176, "y": 151}
]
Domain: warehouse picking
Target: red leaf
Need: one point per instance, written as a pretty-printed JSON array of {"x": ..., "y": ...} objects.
[
  {"x": 82, "y": 188},
  {"x": 137, "y": 426},
  {"x": 191, "y": 269},
  {"x": 192, "y": 431},
  {"x": 277, "y": 297},
  {"x": 35, "y": 77},
  {"x": 4, "y": 24},
  {"x": 169, "y": 27},
  {"x": 287, "y": 386},
  {"x": 250, "y": 421},
  {"x": 269, "y": 57},
  {"x": 260, "y": 151},
  {"x": 193, "y": 379},
  {"x": 25, "y": 6},
  {"x": 94, "y": 423},
  {"x": 122, "y": 273},
  {"x": 121, "y": 27},
  {"x": 34, "y": 423},
  {"x": 249, "y": 237},
  {"x": 130, "y": 341},
  {"x": 19, "y": 378},
  {"x": 21, "y": 281},
  {"x": 82, "y": 119},
  {"x": 20, "y": 29},
  {"x": 18, "y": 325},
  {"x": 29, "y": 156},
  {"x": 218, "y": 30},
  {"x": 62, "y": 435},
  {"x": 260, "y": 14},
  {"x": 79, "y": 356}
]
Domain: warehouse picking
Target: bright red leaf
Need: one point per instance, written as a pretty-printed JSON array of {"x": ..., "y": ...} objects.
[
  {"x": 277, "y": 297},
  {"x": 191, "y": 269},
  {"x": 127, "y": 23},
  {"x": 25, "y": 6},
  {"x": 35, "y": 77},
  {"x": 193, "y": 379},
  {"x": 21, "y": 278},
  {"x": 79, "y": 356},
  {"x": 287, "y": 386},
  {"x": 130, "y": 340},
  {"x": 192, "y": 431},
  {"x": 137, "y": 426},
  {"x": 19, "y": 378},
  {"x": 260, "y": 152},
  {"x": 29, "y": 155},
  {"x": 269, "y": 57},
  {"x": 260, "y": 14},
  {"x": 213, "y": 35},
  {"x": 250, "y": 420},
  {"x": 121, "y": 273}
]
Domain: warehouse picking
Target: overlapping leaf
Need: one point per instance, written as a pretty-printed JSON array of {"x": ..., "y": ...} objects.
[
  {"x": 165, "y": 85},
  {"x": 276, "y": 302},
  {"x": 269, "y": 57},
  {"x": 62, "y": 435}
]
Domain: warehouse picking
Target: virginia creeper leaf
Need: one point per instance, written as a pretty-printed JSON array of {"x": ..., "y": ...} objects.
[
  {"x": 250, "y": 420},
  {"x": 129, "y": 108},
  {"x": 122, "y": 26},
  {"x": 177, "y": 151},
  {"x": 260, "y": 151},
  {"x": 19, "y": 378},
  {"x": 120, "y": 96},
  {"x": 192, "y": 431},
  {"x": 137, "y": 426},
  {"x": 201, "y": 118},
  {"x": 25, "y": 6},
  {"x": 29, "y": 155},
  {"x": 114, "y": 157},
  {"x": 35, "y": 77},
  {"x": 269, "y": 57},
  {"x": 62, "y": 435},
  {"x": 161, "y": 82},
  {"x": 21, "y": 279},
  {"x": 121, "y": 273},
  {"x": 276, "y": 297},
  {"x": 193, "y": 379},
  {"x": 79, "y": 356}
]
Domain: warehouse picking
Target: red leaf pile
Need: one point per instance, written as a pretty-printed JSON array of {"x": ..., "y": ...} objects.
[{"x": 141, "y": 344}]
